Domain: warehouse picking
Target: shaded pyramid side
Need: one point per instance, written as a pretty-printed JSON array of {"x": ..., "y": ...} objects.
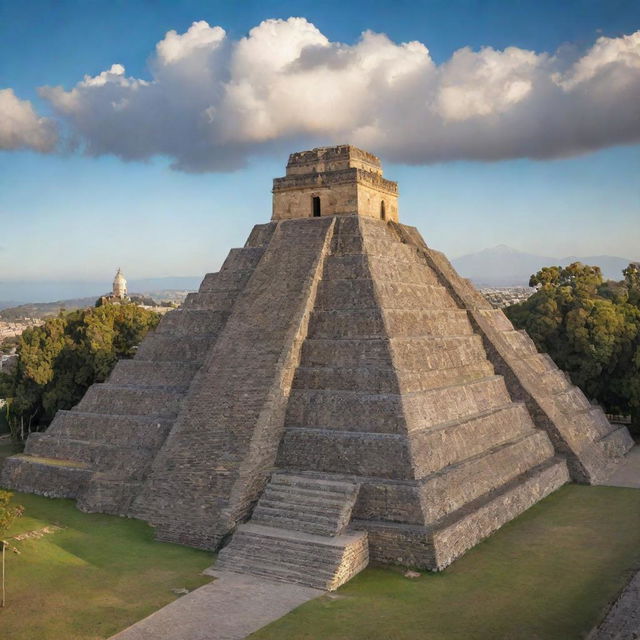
[
  {"x": 100, "y": 451},
  {"x": 579, "y": 430}
]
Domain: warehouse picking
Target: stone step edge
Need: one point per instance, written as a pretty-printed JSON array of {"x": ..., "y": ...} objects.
[
  {"x": 294, "y": 524},
  {"x": 386, "y": 394},
  {"x": 340, "y": 541},
  {"x": 177, "y": 389},
  {"x": 242, "y": 564},
  {"x": 355, "y": 478},
  {"x": 290, "y": 479},
  {"x": 395, "y": 370},
  {"x": 441, "y": 426},
  {"x": 264, "y": 548},
  {"x": 294, "y": 513},
  {"x": 157, "y": 417},
  {"x": 470, "y": 507},
  {"x": 140, "y": 418},
  {"x": 478, "y": 456},
  {"x": 285, "y": 491},
  {"x": 53, "y": 438},
  {"x": 300, "y": 511},
  {"x": 413, "y": 338},
  {"x": 304, "y": 579},
  {"x": 296, "y": 547}
]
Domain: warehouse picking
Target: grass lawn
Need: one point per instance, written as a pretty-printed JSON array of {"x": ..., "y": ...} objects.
[
  {"x": 548, "y": 575},
  {"x": 94, "y": 576}
]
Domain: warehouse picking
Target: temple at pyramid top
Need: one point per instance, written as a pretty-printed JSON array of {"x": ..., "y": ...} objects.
[{"x": 329, "y": 181}]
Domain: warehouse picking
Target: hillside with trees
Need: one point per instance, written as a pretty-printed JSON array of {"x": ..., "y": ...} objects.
[
  {"x": 591, "y": 328},
  {"x": 60, "y": 359}
]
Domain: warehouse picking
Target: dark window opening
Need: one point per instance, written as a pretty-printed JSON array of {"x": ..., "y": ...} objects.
[
  {"x": 316, "y": 206},
  {"x": 383, "y": 213}
]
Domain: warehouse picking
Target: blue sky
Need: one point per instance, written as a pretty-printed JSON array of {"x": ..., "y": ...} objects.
[{"x": 66, "y": 214}]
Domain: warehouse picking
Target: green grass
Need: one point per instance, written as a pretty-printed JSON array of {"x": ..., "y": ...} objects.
[
  {"x": 548, "y": 575},
  {"x": 95, "y": 576}
]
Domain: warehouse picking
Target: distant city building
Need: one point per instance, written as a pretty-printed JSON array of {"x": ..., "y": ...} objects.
[
  {"x": 501, "y": 297},
  {"x": 119, "y": 285}
]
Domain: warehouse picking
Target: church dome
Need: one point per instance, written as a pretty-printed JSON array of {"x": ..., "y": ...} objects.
[{"x": 119, "y": 285}]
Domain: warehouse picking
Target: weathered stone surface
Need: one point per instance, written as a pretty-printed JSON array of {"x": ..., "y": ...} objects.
[
  {"x": 337, "y": 385},
  {"x": 215, "y": 463},
  {"x": 317, "y": 561},
  {"x": 119, "y": 426}
]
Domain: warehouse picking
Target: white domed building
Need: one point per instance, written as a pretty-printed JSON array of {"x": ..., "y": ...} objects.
[{"x": 119, "y": 285}]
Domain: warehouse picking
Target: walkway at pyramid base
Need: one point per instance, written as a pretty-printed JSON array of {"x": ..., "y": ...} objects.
[{"x": 335, "y": 393}]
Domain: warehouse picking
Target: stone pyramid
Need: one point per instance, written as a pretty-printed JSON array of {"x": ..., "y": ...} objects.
[{"x": 335, "y": 393}]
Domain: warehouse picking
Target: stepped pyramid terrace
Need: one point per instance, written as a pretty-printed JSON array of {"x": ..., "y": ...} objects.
[{"x": 335, "y": 394}]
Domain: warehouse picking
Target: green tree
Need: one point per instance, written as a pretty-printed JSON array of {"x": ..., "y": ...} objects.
[
  {"x": 59, "y": 360},
  {"x": 591, "y": 329}
]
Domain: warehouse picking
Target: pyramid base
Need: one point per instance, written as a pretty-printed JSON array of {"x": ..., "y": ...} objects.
[
  {"x": 436, "y": 547},
  {"x": 45, "y": 477}
]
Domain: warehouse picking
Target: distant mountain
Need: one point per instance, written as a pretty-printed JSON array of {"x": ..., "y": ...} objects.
[{"x": 503, "y": 266}]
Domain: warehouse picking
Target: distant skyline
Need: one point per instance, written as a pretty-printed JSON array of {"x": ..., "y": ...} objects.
[{"x": 132, "y": 137}]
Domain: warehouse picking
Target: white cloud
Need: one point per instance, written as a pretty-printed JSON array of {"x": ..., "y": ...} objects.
[
  {"x": 211, "y": 102},
  {"x": 21, "y": 127}
]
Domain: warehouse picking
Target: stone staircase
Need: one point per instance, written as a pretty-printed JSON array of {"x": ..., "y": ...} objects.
[{"x": 298, "y": 534}]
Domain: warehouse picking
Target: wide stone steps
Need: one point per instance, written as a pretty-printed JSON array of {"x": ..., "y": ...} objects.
[
  {"x": 344, "y": 411},
  {"x": 435, "y": 447},
  {"x": 211, "y": 300},
  {"x": 377, "y": 407},
  {"x": 242, "y": 259},
  {"x": 317, "y": 561},
  {"x": 384, "y": 379},
  {"x": 192, "y": 322},
  {"x": 462, "y": 529},
  {"x": 370, "y": 323},
  {"x": 129, "y": 400},
  {"x": 381, "y": 267},
  {"x": 127, "y": 431},
  {"x": 312, "y": 506},
  {"x": 415, "y": 381},
  {"x": 380, "y": 454},
  {"x": 44, "y": 476},
  {"x": 97, "y": 455},
  {"x": 413, "y": 354},
  {"x": 356, "y": 294},
  {"x": 169, "y": 348},
  {"x": 154, "y": 374},
  {"x": 461, "y": 483},
  {"x": 455, "y": 401}
]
